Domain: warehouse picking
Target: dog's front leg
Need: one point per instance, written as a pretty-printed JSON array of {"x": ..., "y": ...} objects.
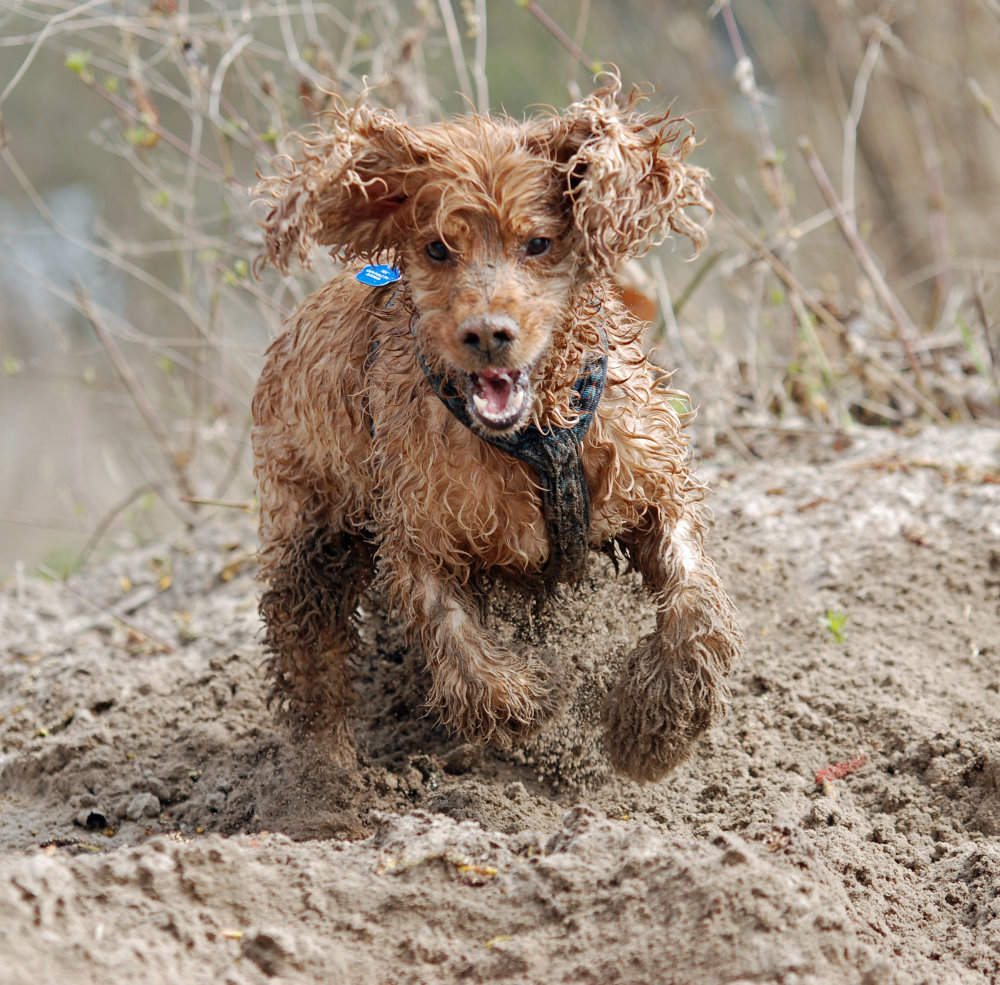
[
  {"x": 673, "y": 685},
  {"x": 315, "y": 579},
  {"x": 490, "y": 694}
]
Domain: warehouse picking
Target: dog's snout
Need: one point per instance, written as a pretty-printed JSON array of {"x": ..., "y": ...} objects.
[{"x": 488, "y": 336}]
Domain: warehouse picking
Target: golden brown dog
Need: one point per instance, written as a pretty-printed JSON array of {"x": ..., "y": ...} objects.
[{"x": 388, "y": 418}]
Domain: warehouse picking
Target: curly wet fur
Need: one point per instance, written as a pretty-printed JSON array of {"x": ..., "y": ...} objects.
[{"x": 364, "y": 473}]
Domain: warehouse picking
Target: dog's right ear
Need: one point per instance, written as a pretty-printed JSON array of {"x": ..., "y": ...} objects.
[
  {"x": 624, "y": 172},
  {"x": 351, "y": 188}
]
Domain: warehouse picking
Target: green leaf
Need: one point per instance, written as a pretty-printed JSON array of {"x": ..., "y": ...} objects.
[
  {"x": 140, "y": 136},
  {"x": 970, "y": 345},
  {"x": 682, "y": 404},
  {"x": 78, "y": 62},
  {"x": 835, "y": 621}
]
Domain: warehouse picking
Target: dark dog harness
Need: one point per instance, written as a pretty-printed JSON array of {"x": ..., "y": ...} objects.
[{"x": 554, "y": 454}]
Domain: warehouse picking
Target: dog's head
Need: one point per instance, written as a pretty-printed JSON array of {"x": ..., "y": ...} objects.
[{"x": 496, "y": 225}]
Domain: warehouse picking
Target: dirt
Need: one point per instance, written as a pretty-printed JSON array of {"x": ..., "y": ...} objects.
[{"x": 842, "y": 825}]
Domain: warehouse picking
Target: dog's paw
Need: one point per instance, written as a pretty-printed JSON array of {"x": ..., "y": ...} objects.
[
  {"x": 638, "y": 748},
  {"x": 660, "y": 706},
  {"x": 501, "y": 698}
]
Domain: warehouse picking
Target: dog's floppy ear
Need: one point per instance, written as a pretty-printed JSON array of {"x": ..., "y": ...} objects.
[
  {"x": 350, "y": 188},
  {"x": 626, "y": 174}
]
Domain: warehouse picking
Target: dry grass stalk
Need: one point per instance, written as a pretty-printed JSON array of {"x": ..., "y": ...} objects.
[
  {"x": 131, "y": 383},
  {"x": 774, "y": 176},
  {"x": 561, "y": 36},
  {"x": 822, "y": 313},
  {"x": 906, "y": 329},
  {"x": 106, "y": 609}
]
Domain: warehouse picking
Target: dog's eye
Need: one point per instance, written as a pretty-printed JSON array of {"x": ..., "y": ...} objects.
[
  {"x": 437, "y": 251},
  {"x": 537, "y": 246}
]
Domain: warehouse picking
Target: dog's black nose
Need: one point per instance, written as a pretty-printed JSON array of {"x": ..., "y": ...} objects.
[{"x": 488, "y": 335}]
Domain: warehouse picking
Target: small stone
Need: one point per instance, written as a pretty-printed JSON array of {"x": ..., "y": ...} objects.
[
  {"x": 462, "y": 759},
  {"x": 268, "y": 950},
  {"x": 143, "y": 805},
  {"x": 215, "y": 801}
]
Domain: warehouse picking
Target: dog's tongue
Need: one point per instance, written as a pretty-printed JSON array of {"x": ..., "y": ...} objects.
[
  {"x": 496, "y": 387},
  {"x": 498, "y": 397}
]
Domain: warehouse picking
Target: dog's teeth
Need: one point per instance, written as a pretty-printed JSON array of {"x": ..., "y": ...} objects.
[
  {"x": 482, "y": 405},
  {"x": 497, "y": 397}
]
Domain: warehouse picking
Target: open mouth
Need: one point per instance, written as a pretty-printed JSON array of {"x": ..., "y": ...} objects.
[{"x": 498, "y": 398}]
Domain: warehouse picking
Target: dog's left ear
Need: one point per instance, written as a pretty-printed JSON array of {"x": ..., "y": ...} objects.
[
  {"x": 626, "y": 174},
  {"x": 352, "y": 187}
]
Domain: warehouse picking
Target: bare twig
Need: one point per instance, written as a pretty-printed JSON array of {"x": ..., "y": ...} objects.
[
  {"x": 247, "y": 507},
  {"x": 853, "y": 118},
  {"x": 455, "y": 44},
  {"x": 51, "y": 27},
  {"x": 107, "y": 610},
  {"x": 834, "y": 324},
  {"x": 668, "y": 309},
  {"x": 704, "y": 269},
  {"x": 985, "y": 103},
  {"x": 784, "y": 274},
  {"x": 986, "y": 322},
  {"x": 561, "y": 36},
  {"x": 142, "y": 276},
  {"x": 217, "y": 97},
  {"x": 128, "y": 378},
  {"x": 582, "y": 20},
  {"x": 109, "y": 517},
  {"x": 905, "y": 328},
  {"x": 25, "y": 518},
  {"x": 774, "y": 178},
  {"x": 135, "y": 113},
  {"x": 239, "y": 449},
  {"x": 479, "y": 64},
  {"x": 937, "y": 219}
]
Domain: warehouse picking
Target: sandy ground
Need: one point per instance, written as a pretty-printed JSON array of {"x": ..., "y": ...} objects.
[{"x": 842, "y": 825}]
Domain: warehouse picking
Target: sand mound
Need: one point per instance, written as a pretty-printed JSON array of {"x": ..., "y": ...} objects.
[{"x": 842, "y": 825}]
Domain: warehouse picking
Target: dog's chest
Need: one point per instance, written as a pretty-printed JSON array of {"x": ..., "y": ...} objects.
[{"x": 456, "y": 495}]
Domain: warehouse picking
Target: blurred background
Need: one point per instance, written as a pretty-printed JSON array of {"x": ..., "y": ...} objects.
[{"x": 851, "y": 277}]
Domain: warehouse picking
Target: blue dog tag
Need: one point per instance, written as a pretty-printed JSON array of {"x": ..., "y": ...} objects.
[{"x": 378, "y": 274}]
